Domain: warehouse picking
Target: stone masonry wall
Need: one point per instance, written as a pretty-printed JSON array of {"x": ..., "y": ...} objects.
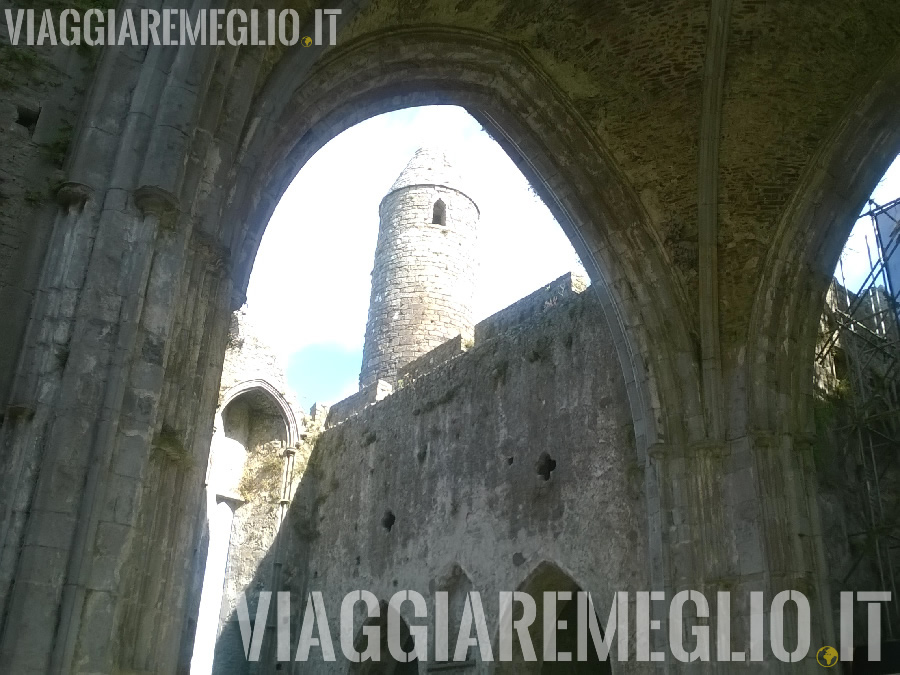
[
  {"x": 250, "y": 357},
  {"x": 253, "y": 468},
  {"x": 257, "y": 519},
  {"x": 451, "y": 475},
  {"x": 178, "y": 160},
  {"x": 507, "y": 319},
  {"x": 41, "y": 92},
  {"x": 542, "y": 299},
  {"x": 423, "y": 279}
]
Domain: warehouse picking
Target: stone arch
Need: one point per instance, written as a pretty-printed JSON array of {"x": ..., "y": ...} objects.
[
  {"x": 506, "y": 91},
  {"x": 226, "y": 145},
  {"x": 228, "y": 454},
  {"x": 810, "y": 236},
  {"x": 240, "y": 439},
  {"x": 504, "y": 88},
  {"x": 787, "y": 306},
  {"x": 387, "y": 665},
  {"x": 548, "y": 577},
  {"x": 292, "y": 429},
  {"x": 457, "y": 584}
]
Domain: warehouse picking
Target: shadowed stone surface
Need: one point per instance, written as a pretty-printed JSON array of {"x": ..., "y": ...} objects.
[
  {"x": 455, "y": 458},
  {"x": 707, "y": 159}
]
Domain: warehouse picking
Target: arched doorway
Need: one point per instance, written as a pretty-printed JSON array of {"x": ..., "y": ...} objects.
[
  {"x": 387, "y": 664},
  {"x": 245, "y": 480},
  {"x": 548, "y": 578},
  {"x": 190, "y": 219}
]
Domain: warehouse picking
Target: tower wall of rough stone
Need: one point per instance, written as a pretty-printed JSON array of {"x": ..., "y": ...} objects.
[{"x": 423, "y": 279}]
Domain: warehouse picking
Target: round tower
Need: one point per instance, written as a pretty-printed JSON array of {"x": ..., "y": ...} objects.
[{"x": 424, "y": 274}]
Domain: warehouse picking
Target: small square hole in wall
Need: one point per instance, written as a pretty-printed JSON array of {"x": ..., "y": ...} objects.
[{"x": 27, "y": 117}]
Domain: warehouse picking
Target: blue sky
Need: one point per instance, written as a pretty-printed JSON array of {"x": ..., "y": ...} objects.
[
  {"x": 309, "y": 291},
  {"x": 855, "y": 256}
]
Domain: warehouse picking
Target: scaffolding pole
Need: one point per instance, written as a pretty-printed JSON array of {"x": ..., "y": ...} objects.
[{"x": 859, "y": 354}]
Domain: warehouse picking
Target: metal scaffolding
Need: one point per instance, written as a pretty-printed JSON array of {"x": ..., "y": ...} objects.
[{"x": 858, "y": 367}]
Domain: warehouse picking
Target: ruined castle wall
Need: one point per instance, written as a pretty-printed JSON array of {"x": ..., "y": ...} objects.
[
  {"x": 41, "y": 92},
  {"x": 445, "y": 472},
  {"x": 249, "y": 357},
  {"x": 256, "y": 518},
  {"x": 423, "y": 279},
  {"x": 253, "y": 466},
  {"x": 534, "y": 303}
]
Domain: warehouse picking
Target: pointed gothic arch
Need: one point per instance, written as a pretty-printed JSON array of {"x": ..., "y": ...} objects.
[
  {"x": 811, "y": 233},
  {"x": 455, "y": 582},
  {"x": 292, "y": 428},
  {"x": 790, "y": 295},
  {"x": 643, "y": 301},
  {"x": 387, "y": 664},
  {"x": 219, "y": 158},
  {"x": 548, "y": 577}
]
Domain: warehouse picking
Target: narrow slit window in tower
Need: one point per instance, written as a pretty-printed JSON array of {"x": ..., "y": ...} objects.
[{"x": 440, "y": 213}]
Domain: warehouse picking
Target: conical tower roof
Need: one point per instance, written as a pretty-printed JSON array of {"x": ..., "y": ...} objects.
[{"x": 429, "y": 166}]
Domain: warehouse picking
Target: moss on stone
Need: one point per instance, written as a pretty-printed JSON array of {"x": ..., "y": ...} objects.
[
  {"x": 168, "y": 446},
  {"x": 56, "y": 150}
]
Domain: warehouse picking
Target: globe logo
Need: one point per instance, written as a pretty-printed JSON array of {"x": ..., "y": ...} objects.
[
  {"x": 306, "y": 41},
  {"x": 827, "y": 656}
]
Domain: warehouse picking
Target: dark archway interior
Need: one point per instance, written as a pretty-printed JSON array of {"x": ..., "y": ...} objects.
[
  {"x": 387, "y": 664},
  {"x": 548, "y": 578},
  {"x": 254, "y": 415},
  {"x": 567, "y": 641}
]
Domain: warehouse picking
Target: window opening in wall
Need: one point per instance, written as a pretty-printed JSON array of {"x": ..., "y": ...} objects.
[
  {"x": 27, "y": 117},
  {"x": 439, "y": 214}
]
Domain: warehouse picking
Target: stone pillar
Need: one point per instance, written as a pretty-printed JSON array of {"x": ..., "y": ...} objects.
[
  {"x": 424, "y": 274},
  {"x": 739, "y": 516},
  {"x": 210, "y": 620}
]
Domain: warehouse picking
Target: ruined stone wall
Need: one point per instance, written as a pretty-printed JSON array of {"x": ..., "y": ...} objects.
[
  {"x": 451, "y": 476},
  {"x": 41, "y": 92},
  {"x": 423, "y": 279},
  {"x": 249, "y": 356},
  {"x": 255, "y": 462},
  {"x": 257, "y": 516}
]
